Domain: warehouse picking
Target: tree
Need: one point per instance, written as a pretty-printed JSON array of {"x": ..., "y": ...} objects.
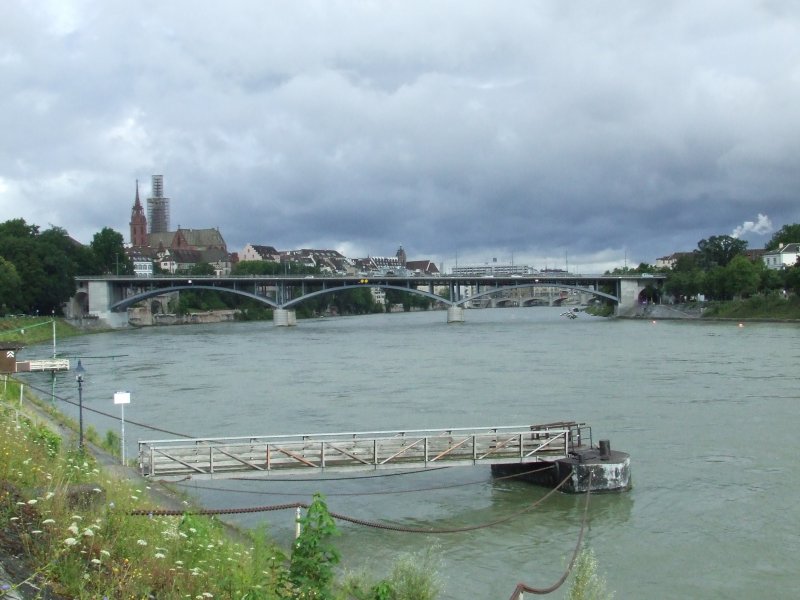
[
  {"x": 10, "y": 286},
  {"x": 256, "y": 267},
  {"x": 718, "y": 250},
  {"x": 686, "y": 279},
  {"x": 741, "y": 277},
  {"x": 109, "y": 251},
  {"x": 202, "y": 269},
  {"x": 714, "y": 284},
  {"x": 793, "y": 278},
  {"x": 788, "y": 234},
  {"x": 770, "y": 279}
]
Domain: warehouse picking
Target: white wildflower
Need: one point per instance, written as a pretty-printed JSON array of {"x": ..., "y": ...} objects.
[
  {"x": 70, "y": 541},
  {"x": 142, "y": 542}
]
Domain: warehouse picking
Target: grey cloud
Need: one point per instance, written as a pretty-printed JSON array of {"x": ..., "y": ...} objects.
[{"x": 465, "y": 127}]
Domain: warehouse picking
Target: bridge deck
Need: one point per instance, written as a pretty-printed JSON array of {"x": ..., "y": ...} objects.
[{"x": 272, "y": 455}]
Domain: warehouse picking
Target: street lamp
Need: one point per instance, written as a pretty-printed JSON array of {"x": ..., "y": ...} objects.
[{"x": 79, "y": 371}]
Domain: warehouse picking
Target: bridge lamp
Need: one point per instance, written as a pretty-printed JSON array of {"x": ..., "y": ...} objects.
[{"x": 79, "y": 373}]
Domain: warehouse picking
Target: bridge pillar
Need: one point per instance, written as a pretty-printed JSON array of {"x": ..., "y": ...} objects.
[
  {"x": 283, "y": 317},
  {"x": 455, "y": 314},
  {"x": 101, "y": 295},
  {"x": 628, "y": 297}
]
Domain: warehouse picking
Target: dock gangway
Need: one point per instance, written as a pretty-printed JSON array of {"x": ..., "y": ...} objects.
[{"x": 207, "y": 458}]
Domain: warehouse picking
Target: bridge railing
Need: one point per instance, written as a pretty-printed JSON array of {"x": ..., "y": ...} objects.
[{"x": 216, "y": 457}]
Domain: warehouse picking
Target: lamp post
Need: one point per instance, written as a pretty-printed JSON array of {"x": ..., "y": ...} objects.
[{"x": 79, "y": 371}]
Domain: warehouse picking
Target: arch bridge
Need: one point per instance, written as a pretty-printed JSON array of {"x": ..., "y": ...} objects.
[{"x": 107, "y": 298}]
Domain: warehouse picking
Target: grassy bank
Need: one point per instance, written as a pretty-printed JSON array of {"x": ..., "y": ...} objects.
[
  {"x": 772, "y": 307},
  {"x": 27, "y": 331},
  {"x": 72, "y": 522}
]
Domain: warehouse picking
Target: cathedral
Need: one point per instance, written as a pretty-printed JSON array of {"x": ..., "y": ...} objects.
[{"x": 172, "y": 251}]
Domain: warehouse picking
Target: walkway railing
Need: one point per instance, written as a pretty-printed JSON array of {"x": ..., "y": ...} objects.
[{"x": 418, "y": 449}]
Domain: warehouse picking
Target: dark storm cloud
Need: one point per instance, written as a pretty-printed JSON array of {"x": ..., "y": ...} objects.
[{"x": 542, "y": 130}]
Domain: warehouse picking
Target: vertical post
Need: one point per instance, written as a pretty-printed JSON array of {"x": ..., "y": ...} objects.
[
  {"x": 80, "y": 413},
  {"x": 79, "y": 371},
  {"x": 21, "y": 387},
  {"x": 122, "y": 433},
  {"x": 122, "y": 398},
  {"x": 297, "y": 522}
]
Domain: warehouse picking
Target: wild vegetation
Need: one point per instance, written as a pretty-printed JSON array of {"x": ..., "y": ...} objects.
[
  {"x": 27, "y": 331},
  {"x": 73, "y": 523}
]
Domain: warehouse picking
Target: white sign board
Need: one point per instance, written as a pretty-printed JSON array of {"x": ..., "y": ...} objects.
[{"x": 122, "y": 397}]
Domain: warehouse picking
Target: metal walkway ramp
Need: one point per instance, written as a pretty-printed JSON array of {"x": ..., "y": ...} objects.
[{"x": 331, "y": 452}]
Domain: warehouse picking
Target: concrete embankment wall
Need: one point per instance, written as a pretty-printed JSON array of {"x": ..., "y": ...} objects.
[{"x": 211, "y": 316}]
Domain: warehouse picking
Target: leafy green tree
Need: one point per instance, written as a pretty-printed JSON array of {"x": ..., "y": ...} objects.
[
  {"x": 742, "y": 277},
  {"x": 202, "y": 269},
  {"x": 685, "y": 280},
  {"x": 642, "y": 268},
  {"x": 718, "y": 250},
  {"x": 408, "y": 300},
  {"x": 45, "y": 263},
  {"x": 788, "y": 234},
  {"x": 109, "y": 251},
  {"x": 256, "y": 267},
  {"x": 770, "y": 279},
  {"x": 10, "y": 287},
  {"x": 714, "y": 286},
  {"x": 357, "y": 301},
  {"x": 793, "y": 278}
]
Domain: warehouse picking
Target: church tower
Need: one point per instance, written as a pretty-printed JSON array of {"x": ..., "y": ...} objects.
[
  {"x": 401, "y": 256},
  {"x": 138, "y": 223}
]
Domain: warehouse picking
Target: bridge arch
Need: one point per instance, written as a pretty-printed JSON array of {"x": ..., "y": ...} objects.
[
  {"x": 131, "y": 300},
  {"x": 495, "y": 290},
  {"x": 296, "y": 301}
]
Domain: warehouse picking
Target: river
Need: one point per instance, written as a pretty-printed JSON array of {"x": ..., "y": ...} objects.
[{"x": 707, "y": 410}]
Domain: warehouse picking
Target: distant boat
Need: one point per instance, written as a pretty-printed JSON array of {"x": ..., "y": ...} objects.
[{"x": 569, "y": 314}]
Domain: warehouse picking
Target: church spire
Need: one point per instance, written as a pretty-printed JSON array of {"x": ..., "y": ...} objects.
[{"x": 138, "y": 222}]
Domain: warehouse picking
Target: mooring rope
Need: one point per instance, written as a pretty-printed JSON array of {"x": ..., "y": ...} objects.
[
  {"x": 521, "y": 587},
  {"x": 346, "y": 518}
]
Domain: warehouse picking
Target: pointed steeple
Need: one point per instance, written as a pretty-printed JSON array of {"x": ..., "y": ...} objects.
[
  {"x": 137, "y": 206},
  {"x": 138, "y": 222}
]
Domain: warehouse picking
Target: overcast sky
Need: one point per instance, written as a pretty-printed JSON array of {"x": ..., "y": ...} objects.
[{"x": 550, "y": 132}]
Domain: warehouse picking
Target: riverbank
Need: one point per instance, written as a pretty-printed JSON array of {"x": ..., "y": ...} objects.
[
  {"x": 31, "y": 330},
  {"x": 76, "y": 524},
  {"x": 772, "y": 309}
]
